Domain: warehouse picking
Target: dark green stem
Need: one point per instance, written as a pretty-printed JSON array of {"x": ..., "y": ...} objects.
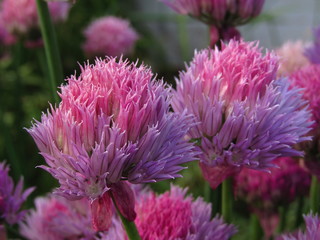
[
  {"x": 256, "y": 231},
  {"x": 213, "y": 197},
  {"x": 227, "y": 200},
  {"x": 51, "y": 47},
  {"x": 283, "y": 218},
  {"x": 298, "y": 217},
  {"x": 314, "y": 195},
  {"x": 131, "y": 228}
]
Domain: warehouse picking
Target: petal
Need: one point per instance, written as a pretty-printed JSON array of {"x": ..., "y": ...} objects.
[
  {"x": 124, "y": 199},
  {"x": 101, "y": 209}
]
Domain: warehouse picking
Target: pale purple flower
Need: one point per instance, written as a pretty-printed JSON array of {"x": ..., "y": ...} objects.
[
  {"x": 247, "y": 118},
  {"x": 174, "y": 216},
  {"x": 312, "y": 231},
  {"x": 313, "y": 52},
  {"x": 219, "y": 12},
  {"x": 21, "y": 16},
  {"x": 113, "y": 124},
  {"x": 11, "y": 197},
  {"x": 110, "y": 36},
  {"x": 56, "y": 218}
]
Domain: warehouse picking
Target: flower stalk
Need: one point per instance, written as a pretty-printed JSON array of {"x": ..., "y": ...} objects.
[
  {"x": 51, "y": 47},
  {"x": 227, "y": 200},
  {"x": 314, "y": 195}
]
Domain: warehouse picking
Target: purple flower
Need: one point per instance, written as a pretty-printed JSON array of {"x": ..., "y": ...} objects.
[
  {"x": 247, "y": 118},
  {"x": 313, "y": 52},
  {"x": 312, "y": 231},
  {"x": 11, "y": 197},
  {"x": 174, "y": 216},
  {"x": 113, "y": 124}
]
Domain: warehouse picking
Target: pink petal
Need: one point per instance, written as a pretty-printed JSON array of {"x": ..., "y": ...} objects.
[
  {"x": 101, "y": 212},
  {"x": 124, "y": 199}
]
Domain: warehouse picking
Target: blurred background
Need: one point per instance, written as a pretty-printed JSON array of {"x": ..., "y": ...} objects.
[{"x": 166, "y": 41}]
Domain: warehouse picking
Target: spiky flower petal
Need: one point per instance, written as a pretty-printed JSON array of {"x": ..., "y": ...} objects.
[
  {"x": 113, "y": 124},
  {"x": 11, "y": 197},
  {"x": 174, "y": 216},
  {"x": 247, "y": 118},
  {"x": 313, "y": 52}
]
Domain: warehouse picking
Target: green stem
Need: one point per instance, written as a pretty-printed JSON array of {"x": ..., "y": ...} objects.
[
  {"x": 131, "y": 228},
  {"x": 298, "y": 217},
  {"x": 51, "y": 47},
  {"x": 256, "y": 231},
  {"x": 314, "y": 195},
  {"x": 227, "y": 200},
  {"x": 283, "y": 218},
  {"x": 213, "y": 197}
]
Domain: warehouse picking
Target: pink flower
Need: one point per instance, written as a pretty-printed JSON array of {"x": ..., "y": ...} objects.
[
  {"x": 113, "y": 124},
  {"x": 247, "y": 118},
  {"x": 56, "y": 218},
  {"x": 265, "y": 192},
  {"x": 291, "y": 57},
  {"x": 174, "y": 216},
  {"x": 21, "y": 16},
  {"x": 110, "y": 36}
]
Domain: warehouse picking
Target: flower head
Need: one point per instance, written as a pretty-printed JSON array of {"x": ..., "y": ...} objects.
[
  {"x": 113, "y": 124},
  {"x": 21, "y": 16},
  {"x": 110, "y": 36},
  {"x": 11, "y": 197},
  {"x": 267, "y": 191},
  {"x": 291, "y": 57},
  {"x": 313, "y": 52},
  {"x": 246, "y": 118},
  {"x": 174, "y": 216},
  {"x": 312, "y": 230},
  {"x": 220, "y": 12},
  {"x": 57, "y": 218}
]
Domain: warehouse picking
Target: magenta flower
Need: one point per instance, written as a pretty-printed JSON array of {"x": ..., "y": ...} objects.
[
  {"x": 313, "y": 52},
  {"x": 110, "y": 36},
  {"x": 246, "y": 118},
  {"x": 56, "y": 218},
  {"x": 21, "y": 16},
  {"x": 312, "y": 231},
  {"x": 268, "y": 191},
  {"x": 174, "y": 216},
  {"x": 291, "y": 57},
  {"x": 11, "y": 197},
  {"x": 113, "y": 124}
]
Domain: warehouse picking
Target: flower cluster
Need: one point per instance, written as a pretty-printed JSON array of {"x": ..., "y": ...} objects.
[
  {"x": 113, "y": 124},
  {"x": 110, "y": 36},
  {"x": 11, "y": 197},
  {"x": 247, "y": 118}
]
